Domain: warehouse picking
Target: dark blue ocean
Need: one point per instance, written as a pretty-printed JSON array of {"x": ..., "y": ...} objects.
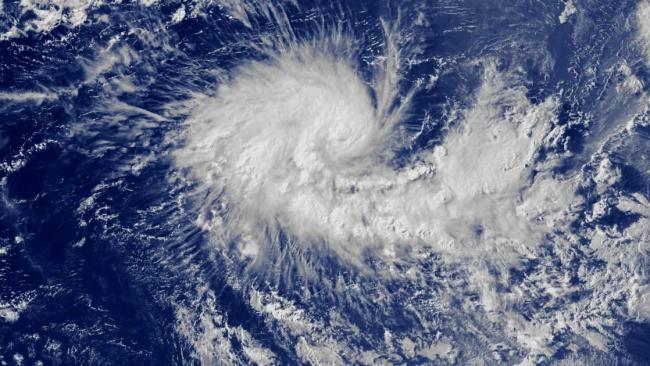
[{"x": 128, "y": 239}]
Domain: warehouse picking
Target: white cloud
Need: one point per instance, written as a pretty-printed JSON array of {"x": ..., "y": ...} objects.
[
  {"x": 28, "y": 96},
  {"x": 50, "y": 13},
  {"x": 179, "y": 14},
  {"x": 569, "y": 9},
  {"x": 297, "y": 145},
  {"x": 643, "y": 24}
]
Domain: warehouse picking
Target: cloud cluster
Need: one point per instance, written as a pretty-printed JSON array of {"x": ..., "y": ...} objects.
[{"x": 299, "y": 145}]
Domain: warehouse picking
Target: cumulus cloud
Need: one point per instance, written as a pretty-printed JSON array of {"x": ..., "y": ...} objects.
[
  {"x": 47, "y": 15},
  {"x": 569, "y": 10},
  {"x": 300, "y": 145}
]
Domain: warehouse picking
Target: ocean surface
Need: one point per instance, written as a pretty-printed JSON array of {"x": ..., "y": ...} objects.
[{"x": 247, "y": 182}]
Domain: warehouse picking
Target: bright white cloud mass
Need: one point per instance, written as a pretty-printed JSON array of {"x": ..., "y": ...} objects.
[{"x": 301, "y": 144}]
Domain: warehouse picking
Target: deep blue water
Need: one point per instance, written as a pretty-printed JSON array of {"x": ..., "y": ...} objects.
[{"x": 102, "y": 281}]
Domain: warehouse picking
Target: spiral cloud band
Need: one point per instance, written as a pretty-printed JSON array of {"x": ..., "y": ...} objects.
[{"x": 300, "y": 144}]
